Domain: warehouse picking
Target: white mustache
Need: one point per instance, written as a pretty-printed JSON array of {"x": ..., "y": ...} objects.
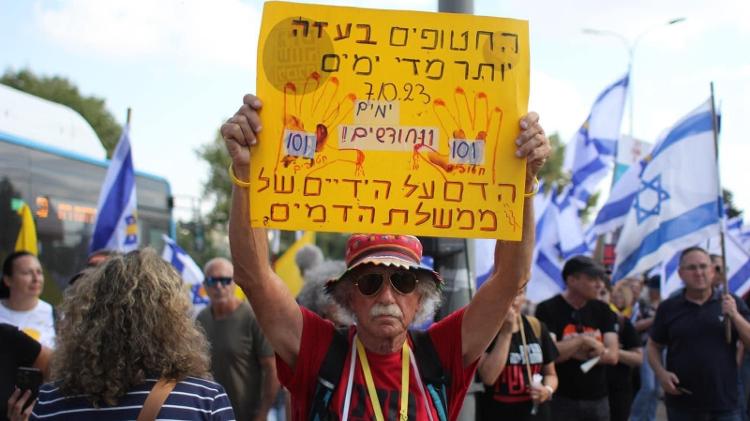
[{"x": 386, "y": 310}]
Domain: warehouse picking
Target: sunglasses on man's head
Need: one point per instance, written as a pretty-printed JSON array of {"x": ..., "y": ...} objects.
[
  {"x": 211, "y": 281},
  {"x": 403, "y": 281}
]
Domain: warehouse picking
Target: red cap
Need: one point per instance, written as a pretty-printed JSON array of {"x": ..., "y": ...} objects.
[{"x": 403, "y": 251}]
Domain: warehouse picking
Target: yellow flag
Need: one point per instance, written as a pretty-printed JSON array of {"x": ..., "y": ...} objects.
[
  {"x": 26, "y": 240},
  {"x": 287, "y": 268}
]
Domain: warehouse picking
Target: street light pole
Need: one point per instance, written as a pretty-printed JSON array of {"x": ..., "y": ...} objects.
[{"x": 630, "y": 47}]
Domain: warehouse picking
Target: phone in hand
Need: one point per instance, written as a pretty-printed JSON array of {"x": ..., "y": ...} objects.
[{"x": 29, "y": 378}]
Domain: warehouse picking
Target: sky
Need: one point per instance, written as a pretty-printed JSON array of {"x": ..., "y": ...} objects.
[{"x": 183, "y": 67}]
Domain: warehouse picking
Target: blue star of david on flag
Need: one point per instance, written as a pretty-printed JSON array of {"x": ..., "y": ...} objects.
[{"x": 647, "y": 187}]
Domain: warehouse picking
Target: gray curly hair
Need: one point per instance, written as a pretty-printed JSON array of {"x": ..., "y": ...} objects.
[
  {"x": 430, "y": 296},
  {"x": 308, "y": 257}
]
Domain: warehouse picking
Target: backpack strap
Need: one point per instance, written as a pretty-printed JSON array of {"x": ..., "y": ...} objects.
[
  {"x": 155, "y": 399},
  {"x": 435, "y": 378},
  {"x": 329, "y": 375}
]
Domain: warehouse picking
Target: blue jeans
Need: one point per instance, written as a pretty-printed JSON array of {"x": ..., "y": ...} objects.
[
  {"x": 680, "y": 414},
  {"x": 647, "y": 398}
]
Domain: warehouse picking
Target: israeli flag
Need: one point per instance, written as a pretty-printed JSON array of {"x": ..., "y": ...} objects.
[
  {"x": 484, "y": 250},
  {"x": 590, "y": 155},
  {"x": 612, "y": 215},
  {"x": 546, "y": 270},
  {"x": 191, "y": 273},
  {"x": 571, "y": 237},
  {"x": 678, "y": 202},
  {"x": 116, "y": 219},
  {"x": 737, "y": 266}
]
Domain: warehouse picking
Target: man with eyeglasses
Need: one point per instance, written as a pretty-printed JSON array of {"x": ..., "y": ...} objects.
[
  {"x": 584, "y": 330},
  {"x": 241, "y": 358},
  {"x": 700, "y": 376},
  {"x": 385, "y": 288}
]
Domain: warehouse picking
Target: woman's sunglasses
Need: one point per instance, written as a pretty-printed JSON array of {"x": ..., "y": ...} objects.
[
  {"x": 211, "y": 281},
  {"x": 403, "y": 281}
]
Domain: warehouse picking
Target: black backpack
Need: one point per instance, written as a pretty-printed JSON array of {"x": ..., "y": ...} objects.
[{"x": 433, "y": 376}]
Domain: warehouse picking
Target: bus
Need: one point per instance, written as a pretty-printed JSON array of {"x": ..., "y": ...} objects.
[{"x": 48, "y": 159}]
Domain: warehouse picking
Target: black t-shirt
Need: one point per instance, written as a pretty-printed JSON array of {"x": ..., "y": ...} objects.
[
  {"x": 697, "y": 351},
  {"x": 17, "y": 350},
  {"x": 509, "y": 397},
  {"x": 619, "y": 376},
  {"x": 595, "y": 319}
]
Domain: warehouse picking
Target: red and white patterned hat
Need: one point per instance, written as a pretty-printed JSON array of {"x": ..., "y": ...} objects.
[{"x": 404, "y": 251}]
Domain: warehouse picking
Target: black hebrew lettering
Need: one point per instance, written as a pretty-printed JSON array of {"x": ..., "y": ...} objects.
[
  {"x": 366, "y": 39},
  {"x": 393, "y": 38},
  {"x": 429, "y": 66},
  {"x": 341, "y": 36},
  {"x": 326, "y": 66},
  {"x": 305, "y": 26}
]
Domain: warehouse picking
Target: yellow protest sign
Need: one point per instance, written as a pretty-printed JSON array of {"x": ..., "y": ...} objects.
[{"x": 389, "y": 122}]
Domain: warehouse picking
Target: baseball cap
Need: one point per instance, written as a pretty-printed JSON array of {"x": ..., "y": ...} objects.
[{"x": 583, "y": 264}]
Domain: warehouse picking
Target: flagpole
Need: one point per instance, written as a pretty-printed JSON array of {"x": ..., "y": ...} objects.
[
  {"x": 127, "y": 117},
  {"x": 724, "y": 281}
]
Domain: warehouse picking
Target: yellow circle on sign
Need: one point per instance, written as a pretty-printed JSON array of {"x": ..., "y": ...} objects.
[{"x": 298, "y": 55}]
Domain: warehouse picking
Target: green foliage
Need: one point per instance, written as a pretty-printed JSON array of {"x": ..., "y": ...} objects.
[
  {"x": 60, "y": 90},
  {"x": 728, "y": 198},
  {"x": 195, "y": 239},
  {"x": 218, "y": 187},
  {"x": 552, "y": 172}
]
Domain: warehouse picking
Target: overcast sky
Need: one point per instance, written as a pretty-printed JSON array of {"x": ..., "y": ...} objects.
[{"x": 183, "y": 66}]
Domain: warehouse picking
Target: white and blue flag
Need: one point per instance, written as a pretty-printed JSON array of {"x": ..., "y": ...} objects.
[
  {"x": 116, "y": 218},
  {"x": 590, "y": 155},
  {"x": 737, "y": 266},
  {"x": 546, "y": 269},
  {"x": 612, "y": 215},
  {"x": 191, "y": 273},
  {"x": 677, "y": 203}
]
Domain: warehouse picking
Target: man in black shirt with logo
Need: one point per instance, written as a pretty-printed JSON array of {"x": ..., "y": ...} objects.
[
  {"x": 584, "y": 331},
  {"x": 700, "y": 377}
]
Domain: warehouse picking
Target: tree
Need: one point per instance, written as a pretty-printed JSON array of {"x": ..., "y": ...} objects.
[
  {"x": 218, "y": 186},
  {"x": 552, "y": 172},
  {"x": 60, "y": 90},
  {"x": 729, "y": 205}
]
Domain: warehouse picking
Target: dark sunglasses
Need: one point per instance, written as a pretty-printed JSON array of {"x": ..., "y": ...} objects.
[
  {"x": 403, "y": 281},
  {"x": 211, "y": 281}
]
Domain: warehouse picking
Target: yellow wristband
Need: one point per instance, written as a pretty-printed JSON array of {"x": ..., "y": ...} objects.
[
  {"x": 237, "y": 181},
  {"x": 535, "y": 190}
]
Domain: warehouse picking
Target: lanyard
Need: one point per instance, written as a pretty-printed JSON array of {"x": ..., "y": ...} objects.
[{"x": 405, "y": 354}]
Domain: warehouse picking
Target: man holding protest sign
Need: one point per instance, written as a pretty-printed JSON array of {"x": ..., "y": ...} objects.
[
  {"x": 395, "y": 126},
  {"x": 383, "y": 310}
]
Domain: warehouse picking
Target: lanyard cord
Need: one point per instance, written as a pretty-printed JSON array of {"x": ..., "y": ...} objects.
[
  {"x": 349, "y": 383},
  {"x": 374, "y": 401},
  {"x": 421, "y": 386}
]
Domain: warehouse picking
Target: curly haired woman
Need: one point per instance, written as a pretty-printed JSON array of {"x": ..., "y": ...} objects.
[{"x": 123, "y": 327}]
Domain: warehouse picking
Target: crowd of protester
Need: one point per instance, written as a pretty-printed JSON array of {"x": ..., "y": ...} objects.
[{"x": 122, "y": 344}]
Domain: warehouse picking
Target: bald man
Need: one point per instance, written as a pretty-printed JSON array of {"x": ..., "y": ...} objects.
[{"x": 241, "y": 359}]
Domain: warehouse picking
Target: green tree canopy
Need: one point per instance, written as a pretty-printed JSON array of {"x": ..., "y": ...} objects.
[{"x": 61, "y": 90}]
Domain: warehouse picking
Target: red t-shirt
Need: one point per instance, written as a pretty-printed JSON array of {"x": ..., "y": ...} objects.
[{"x": 386, "y": 371}]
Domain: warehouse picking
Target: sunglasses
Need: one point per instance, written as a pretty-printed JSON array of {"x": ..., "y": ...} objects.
[
  {"x": 212, "y": 281},
  {"x": 403, "y": 281}
]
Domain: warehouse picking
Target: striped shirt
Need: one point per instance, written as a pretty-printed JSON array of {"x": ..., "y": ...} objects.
[{"x": 191, "y": 399}]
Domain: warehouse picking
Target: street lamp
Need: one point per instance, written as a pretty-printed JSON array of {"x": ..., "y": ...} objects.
[{"x": 630, "y": 46}]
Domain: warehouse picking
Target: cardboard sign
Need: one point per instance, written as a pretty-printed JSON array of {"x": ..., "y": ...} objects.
[{"x": 389, "y": 122}]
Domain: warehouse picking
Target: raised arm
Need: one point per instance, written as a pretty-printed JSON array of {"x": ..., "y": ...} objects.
[
  {"x": 485, "y": 313},
  {"x": 494, "y": 361},
  {"x": 278, "y": 314}
]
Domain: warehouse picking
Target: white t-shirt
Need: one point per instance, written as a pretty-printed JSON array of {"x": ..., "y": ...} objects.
[{"x": 38, "y": 322}]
